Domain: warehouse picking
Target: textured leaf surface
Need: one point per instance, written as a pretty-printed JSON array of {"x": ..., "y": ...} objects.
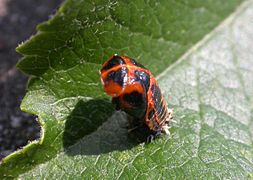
[{"x": 210, "y": 90}]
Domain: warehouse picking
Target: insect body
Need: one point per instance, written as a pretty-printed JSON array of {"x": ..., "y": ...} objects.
[{"x": 134, "y": 90}]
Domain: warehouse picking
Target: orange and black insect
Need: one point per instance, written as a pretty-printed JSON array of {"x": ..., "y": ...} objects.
[{"x": 135, "y": 90}]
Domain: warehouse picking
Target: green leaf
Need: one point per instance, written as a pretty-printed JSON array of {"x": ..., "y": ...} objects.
[{"x": 210, "y": 88}]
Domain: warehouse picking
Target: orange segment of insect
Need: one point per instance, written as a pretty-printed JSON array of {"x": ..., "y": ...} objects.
[{"x": 135, "y": 90}]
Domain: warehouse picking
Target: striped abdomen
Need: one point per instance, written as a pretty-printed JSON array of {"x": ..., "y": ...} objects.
[{"x": 158, "y": 114}]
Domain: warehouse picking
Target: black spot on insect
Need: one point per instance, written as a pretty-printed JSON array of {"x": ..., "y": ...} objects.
[
  {"x": 137, "y": 103},
  {"x": 117, "y": 76},
  {"x": 143, "y": 78},
  {"x": 116, "y": 60},
  {"x": 157, "y": 98},
  {"x": 135, "y": 99}
]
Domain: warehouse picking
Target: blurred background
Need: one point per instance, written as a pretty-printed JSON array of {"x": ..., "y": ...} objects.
[{"x": 18, "y": 20}]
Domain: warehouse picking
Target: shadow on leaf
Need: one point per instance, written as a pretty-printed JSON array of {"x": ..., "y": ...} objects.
[
  {"x": 95, "y": 128},
  {"x": 85, "y": 118}
]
